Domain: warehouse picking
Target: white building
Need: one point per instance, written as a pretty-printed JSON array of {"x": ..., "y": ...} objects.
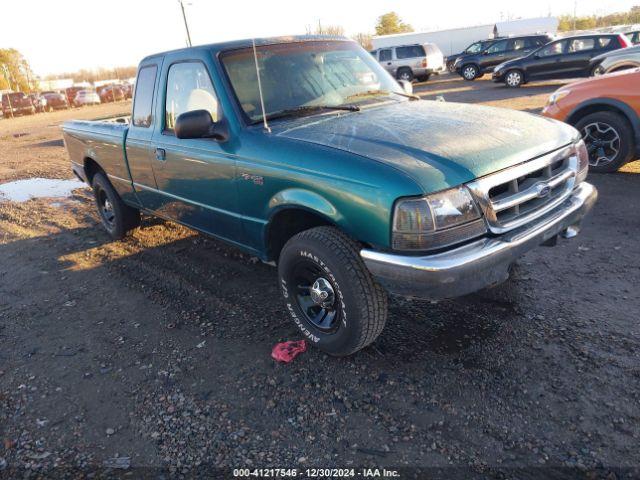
[{"x": 456, "y": 40}]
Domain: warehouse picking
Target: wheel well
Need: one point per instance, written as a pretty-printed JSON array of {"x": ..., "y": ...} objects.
[
  {"x": 623, "y": 66},
  {"x": 287, "y": 223},
  {"x": 589, "y": 109},
  {"x": 91, "y": 167}
]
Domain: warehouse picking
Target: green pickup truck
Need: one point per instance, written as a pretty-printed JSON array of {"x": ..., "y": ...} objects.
[{"x": 304, "y": 152}]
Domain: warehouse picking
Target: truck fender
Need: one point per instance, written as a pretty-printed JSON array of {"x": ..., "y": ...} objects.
[{"x": 305, "y": 199}]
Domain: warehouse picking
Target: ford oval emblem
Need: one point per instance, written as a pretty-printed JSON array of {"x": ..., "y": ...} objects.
[{"x": 544, "y": 191}]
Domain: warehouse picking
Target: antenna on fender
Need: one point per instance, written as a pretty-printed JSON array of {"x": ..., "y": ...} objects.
[{"x": 264, "y": 113}]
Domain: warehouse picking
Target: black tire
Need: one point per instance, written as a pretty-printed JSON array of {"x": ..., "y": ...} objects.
[
  {"x": 470, "y": 72},
  {"x": 599, "y": 131},
  {"x": 513, "y": 78},
  {"x": 425, "y": 78},
  {"x": 404, "y": 73},
  {"x": 358, "y": 311},
  {"x": 117, "y": 217}
]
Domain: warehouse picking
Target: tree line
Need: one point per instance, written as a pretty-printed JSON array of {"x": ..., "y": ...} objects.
[{"x": 569, "y": 23}]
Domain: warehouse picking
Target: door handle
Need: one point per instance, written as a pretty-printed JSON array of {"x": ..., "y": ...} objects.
[
  {"x": 161, "y": 154},
  {"x": 388, "y": 63}
]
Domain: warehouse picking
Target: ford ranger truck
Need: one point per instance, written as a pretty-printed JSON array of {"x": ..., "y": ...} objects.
[{"x": 305, "y": 152}]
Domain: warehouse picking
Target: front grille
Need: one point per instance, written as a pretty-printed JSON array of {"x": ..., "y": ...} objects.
[{"x": 517, "y": 195}]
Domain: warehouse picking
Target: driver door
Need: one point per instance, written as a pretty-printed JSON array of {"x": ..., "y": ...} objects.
[
  {"x": 547, "y": 62},
  {"x": 494, "y": 55},
  {"x": 195, "y": 177}
]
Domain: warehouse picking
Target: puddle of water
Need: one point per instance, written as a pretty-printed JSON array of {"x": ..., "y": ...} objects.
[{"x": 23, "y": 190}]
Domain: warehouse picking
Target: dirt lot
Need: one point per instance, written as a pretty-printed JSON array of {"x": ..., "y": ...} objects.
[{"x": 154, "y": 352}]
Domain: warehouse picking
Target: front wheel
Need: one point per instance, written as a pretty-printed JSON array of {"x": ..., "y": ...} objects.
[
  {"x": 609, "y": 140},
  {"x": 117, "y": 217},
  {"x": 329, "y": 293},
  {"x": 470, "y": 72},
  {"x": 513, "y": 78}
]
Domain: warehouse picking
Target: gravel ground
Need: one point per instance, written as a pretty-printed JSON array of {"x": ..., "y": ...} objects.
[{"x": 154, "y": 352}]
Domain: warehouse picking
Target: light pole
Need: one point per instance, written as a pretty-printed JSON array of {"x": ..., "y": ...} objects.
[{"x": 186, "y": 25}]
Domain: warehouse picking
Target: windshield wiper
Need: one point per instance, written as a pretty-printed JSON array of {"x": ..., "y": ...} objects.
[
  {"x": 370, "y": 93},
  {"x": 306, "y": 109}
]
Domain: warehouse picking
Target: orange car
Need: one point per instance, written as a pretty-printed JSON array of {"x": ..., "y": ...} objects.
[{"x": 606, "y": 111}]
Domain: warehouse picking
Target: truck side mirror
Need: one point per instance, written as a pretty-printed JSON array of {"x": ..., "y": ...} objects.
[{"x": 199, "y": 124}]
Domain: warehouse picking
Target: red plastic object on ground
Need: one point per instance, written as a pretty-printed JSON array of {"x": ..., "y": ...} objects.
[{"x": 287, "y": 351}]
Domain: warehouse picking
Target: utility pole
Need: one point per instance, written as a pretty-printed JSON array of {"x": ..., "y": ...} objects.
[
  {"x": 186, "y": 25},
  {"x": 575, "y": 8}
]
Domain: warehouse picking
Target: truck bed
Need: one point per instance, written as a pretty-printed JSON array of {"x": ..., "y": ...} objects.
[{"x": 100, "y": 140}]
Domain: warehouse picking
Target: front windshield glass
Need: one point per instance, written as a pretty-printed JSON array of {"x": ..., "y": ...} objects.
[
  {"x": 306, "y": 74},
  {"x": 474, "y": 47}
]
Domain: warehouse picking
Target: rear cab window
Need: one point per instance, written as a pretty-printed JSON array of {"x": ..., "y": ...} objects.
[{"x": 143, "y": 97}]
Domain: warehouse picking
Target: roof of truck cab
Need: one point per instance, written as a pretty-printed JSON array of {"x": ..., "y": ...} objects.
[{"x": 248, "y": 42}]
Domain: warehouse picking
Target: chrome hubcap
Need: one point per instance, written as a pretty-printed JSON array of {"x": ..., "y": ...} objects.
[
  {"x": 469, "y": 72},
  {"x": 603, "y": 143},
  {"x": 106, "y": 209},
  {"x": 513, "y": 79},
  {"x": 322, "y": 293}
]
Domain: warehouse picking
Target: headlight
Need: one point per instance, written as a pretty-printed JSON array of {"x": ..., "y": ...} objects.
[
  {"x": 583, "y": 161},
  {"x": 436, "y": 221},
  {"x": 557, "y": 96},
  {"x": 458, "y": 61}
]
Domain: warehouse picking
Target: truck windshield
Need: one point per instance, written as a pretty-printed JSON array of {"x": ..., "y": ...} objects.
[{"x": 306, "y": 74}]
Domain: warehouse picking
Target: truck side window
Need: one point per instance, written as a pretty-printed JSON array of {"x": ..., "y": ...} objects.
[
  {"x": 143, "y": 97},
  {"x": 189, "y": 88}
]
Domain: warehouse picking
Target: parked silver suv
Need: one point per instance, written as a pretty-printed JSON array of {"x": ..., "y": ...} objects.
[{"x": 407, "y": 62}]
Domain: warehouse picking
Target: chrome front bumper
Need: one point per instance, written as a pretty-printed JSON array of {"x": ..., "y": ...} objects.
[{"x": 479, "y": 264}]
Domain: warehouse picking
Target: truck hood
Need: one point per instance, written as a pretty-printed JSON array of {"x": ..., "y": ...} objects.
[{"x": 438, "y": 144}]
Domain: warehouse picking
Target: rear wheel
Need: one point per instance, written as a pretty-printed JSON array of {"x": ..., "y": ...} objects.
[
  {"x": 329, "y": 293},
  {"x": 470, "y": 72},
  {"x": 405, "y": 73},
  {"x": 117, "y": 217},
  {"x": 609, "y": 140}
]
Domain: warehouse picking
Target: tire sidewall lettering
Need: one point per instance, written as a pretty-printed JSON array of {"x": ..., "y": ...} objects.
[{"x": 291, "y": 307}]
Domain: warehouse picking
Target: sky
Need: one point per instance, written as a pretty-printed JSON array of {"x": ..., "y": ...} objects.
[{"x": 66, "y": 35}]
